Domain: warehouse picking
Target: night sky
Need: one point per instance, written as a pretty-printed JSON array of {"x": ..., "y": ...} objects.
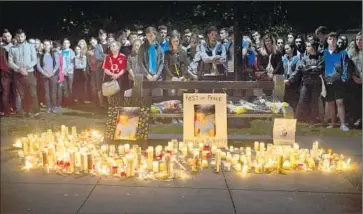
[{"x": 43, "y": 17}]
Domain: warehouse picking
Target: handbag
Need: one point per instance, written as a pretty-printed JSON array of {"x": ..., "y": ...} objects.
[
  {"x": 110, "y": 88},
  {"x": 265, "y": 75}
]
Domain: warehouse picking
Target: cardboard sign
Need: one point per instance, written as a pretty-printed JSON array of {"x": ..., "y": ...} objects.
[
  {"x": 205, "y": 118},
  {"x": 284, "y": 131}
]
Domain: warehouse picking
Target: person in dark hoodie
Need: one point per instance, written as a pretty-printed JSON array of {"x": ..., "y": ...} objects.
[
  {"x": 308, "y": 71},
  {"x": 335, "y": 76},
  {"x": 151, "y": 61},
  {"x": 22, "y": 59}
]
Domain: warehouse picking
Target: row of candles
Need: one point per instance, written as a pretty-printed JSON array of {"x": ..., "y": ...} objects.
[{"x": 85, "y": 152}]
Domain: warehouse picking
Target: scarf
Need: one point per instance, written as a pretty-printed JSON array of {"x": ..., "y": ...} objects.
[{"x": 152, "y": 59}]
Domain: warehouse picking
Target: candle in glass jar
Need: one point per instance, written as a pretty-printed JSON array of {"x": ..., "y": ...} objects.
[
  {"x": 190, "y": 147},
  {"x": 296, "y": 146},
  {"x": 130, "y": 165},
  {"x": 25, "y": 146},
  {"x": 170, "y": 145},
  {"x": 90, "y": 162},
  {"x": 223, "y": 155},
  {"x": 218, "y": 160},
  {"x": 248, "y": 151},
  {"x": 245, "y": 169},
  {"x": 181, "y": 145},
  {"x": 45, "y": 157},
  {"x": 184, "y": 151}
]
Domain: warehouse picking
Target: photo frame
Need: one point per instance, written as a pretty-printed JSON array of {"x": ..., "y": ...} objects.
[
  {"x": 284, "y": 131},
  {"x": 128, "y": 110},
  {"x": 205, "y": 118}
]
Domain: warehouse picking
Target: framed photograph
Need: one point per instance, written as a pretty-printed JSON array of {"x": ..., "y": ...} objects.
[
  {"x": 128, "y": 123},
  {"x": 205, "y": 118}
]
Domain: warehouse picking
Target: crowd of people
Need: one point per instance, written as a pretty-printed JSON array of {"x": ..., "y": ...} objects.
[{"x": 320, "y": 69}]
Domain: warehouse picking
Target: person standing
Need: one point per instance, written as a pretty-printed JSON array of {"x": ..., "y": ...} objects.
[
  {"x": 164, "y": 42},
  {"x": 151, "y": 61},
  {"x": 308, "y": 71},
  {"x": 335, "y": 76},
  {"x": 100, "y": 52},
  {"x": 80, "y": 75},
  {"x": 68, "y": 70},
  {"x": 22, "y": 59},
  {"x": 114, "y": 67},
  {"x": 48, "y": 66},
  {"x": 7, "y": 75}
]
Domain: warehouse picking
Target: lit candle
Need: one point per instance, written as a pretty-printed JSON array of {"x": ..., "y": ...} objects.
[
  {"x": 223, "y": 155},
  {"x": 150, "y": 157},
  {"x": 245, "y": 169},
  {"x": 130, "y": 165},
  {"x": 238, "y": 167},
  {"x": 201, "y": 146},
  {"x": 296, "y": 146},
  {"x": 184, "y": 151},
  {"x": 158, "y": 150},
  {"x": 127, "y": 148},
  {"x": 45, "y": 158},
  {"x": 214, "y": 149},
  {"x": 25, "y": 146},
  {"x": 181, "y": 145},
  {"x": 256, "y": 145},
  {"x": 170, "y": 146},
  {"x": 190, "y": 147},
  {"x": 262, "y": 147},
  {"x": 156, "y": 166},
  {"x": 90, "y": 162},
  {"x": 63, "y": 130},
  {"x": 218, "y": 160},
  {"x": 204, "y": 163},
  {"x": 121, "y": 150},
  {"x": 74, "y": 132}
]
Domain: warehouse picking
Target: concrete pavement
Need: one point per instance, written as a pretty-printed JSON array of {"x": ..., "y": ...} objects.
[{"x": 207, "y": 192}]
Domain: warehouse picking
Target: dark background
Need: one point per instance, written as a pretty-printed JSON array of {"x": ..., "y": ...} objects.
[{"x": 46, "y": 19}]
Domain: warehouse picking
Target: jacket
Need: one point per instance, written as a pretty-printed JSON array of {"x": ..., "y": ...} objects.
[
  {"x": 22, "y": 55},
  {"x": 143, "y": 59},
  {"x": 4, "y": 55},
  {"x": 40, "y": 63},
  {"x": 208, "y": 53},
  {"x": 175, "y": 64},
  {"x": 306, "y": 73},
  {"x": 276, "y": 62}
]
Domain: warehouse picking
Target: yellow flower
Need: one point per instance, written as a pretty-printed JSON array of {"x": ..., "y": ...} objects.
[
  {"x": 240, "y": 110},
  {"x": 285, "y": 104},
  {"x": 154, "y": 109}
]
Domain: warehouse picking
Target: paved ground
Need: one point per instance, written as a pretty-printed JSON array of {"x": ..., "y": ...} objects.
[{"x": 297, "y": 192}]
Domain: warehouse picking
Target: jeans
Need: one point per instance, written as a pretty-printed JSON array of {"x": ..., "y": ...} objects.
[
  {"x": 50, "y": 90},
  {"x": 27, "y": 88},
  {"x": 67, "y": 86},
  {"x": 80, "y": 84},
  {"x": 6, "y": 79},
  {"x": 308, "y": 105}
]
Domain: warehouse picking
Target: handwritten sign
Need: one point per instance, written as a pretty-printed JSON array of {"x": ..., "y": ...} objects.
[
  {"x": 284, "y": 131},
  {"x": 205, "y": 119}
]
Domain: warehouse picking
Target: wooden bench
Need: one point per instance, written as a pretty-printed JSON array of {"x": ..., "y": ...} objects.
[{"x": 277, "y": 86}]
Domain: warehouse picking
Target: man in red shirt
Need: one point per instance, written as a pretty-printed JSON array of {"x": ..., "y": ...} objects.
[{"x": 114, "y": 67}]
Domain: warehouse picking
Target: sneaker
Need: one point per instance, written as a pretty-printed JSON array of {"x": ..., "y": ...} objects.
[
  {"x": 344, "y": 128},
  {"x": 357, "y": 123},
  {"x": 54, "y": 109},
  {"x": 330, "y": 127},
  {"x": 49, "y": 110},
  {"x": 2, "y": 113},
  {"x": 87, "y": 102}
]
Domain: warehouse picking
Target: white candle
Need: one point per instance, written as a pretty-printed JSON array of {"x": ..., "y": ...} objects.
[
  {"x": 256, "y": 145},
  {"x": 150, "y": 157},
  {"x": 74, "y": 132},
  {"x": 127, "y": 148},
  {"x": 156, "y": 166}
]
